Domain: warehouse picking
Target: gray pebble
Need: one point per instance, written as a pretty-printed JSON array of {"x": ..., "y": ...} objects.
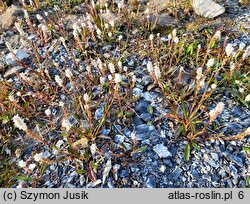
[
  {"x": 150, "y": 183},
  {"x": 119, "y": 139}
]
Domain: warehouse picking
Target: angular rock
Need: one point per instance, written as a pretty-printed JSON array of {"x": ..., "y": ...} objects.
[
  {"x": 162, "y": 21},
  {"x": 150, "y": 183},
  {"x": 143, "y": 131},
  {"x": 124, "y": 173},
  {"x": 2, "y": 44},
  {"x": 127, "y": 146},
  {"x": 207, "y": 8},
  {"x": 162, "y": 151},
  {"x": 137, "y": 121},
  {"x": 98, "y": 113},
  {"x": 10, "y": 72},
  {"x": 212, "y": 163},
  {"x": 105, "y": 131},
  {"x": 175, "y": 174},
  {"x": 119, "y": 139},
  {"x": 195, "y": 174},
  {"x": 162, "y": 168},
  {"x": 8, "y": 17},
  {"x": 146, "y": 117},
  {"x": 106, "y": 170},
  {"x": 9, "y": 33},
  {"x": 93, "y": 184},
  {"x": 59, "y": 143},
  {"x": 141, "y": 106},
  {"x": 234, "y": 158},
  {"x": 215, "y": 156},
  {"x": 137, "y": 91},
  {"x": 148, "y": 96},
  {"x": 19, "y": 54},
  {"x": 2, "y": 68}
]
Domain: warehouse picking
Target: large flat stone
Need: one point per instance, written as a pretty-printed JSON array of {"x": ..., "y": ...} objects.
[{"x": 207, "y": 8}]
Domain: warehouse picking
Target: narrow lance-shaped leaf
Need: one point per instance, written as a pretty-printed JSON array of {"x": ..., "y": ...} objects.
[
  {"x": 194, "y": 144},
  {"x": 187, "y": 152},
  {"x": 248, "y": 182},
  {"x": 141, "y": 149},
  {"x": 184, "y": 109},
  {"x": 80, "y": 171},
  {"x": 23, "y": 178},
  {"x": 246, "y": 149},
  {"x": 150, "y": 109}
]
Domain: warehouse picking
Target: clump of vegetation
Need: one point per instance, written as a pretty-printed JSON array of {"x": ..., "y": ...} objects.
[
  {"x": 73, "y": 87},
  {"x": 209, "y": 68}
]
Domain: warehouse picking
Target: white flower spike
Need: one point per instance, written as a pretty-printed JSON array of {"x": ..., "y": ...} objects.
[{"x": 19, "y": 123}]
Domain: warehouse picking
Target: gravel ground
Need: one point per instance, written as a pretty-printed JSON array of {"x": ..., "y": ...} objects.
[{"x": 218, "y": 163}]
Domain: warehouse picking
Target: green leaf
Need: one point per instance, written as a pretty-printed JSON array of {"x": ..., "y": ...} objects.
[
  {"x": 198, "y": 122},
  {"x": 80, "y": 171},
  {"x": 23, "y": 178},
  {"x": 213, "y": 44},
  {"x": 129, "y": 114},
  {"x": 150, "y": 109},
  {"x": 43, "y": 168},
  {"x": 149, "y": 123},
  {"x": 194, "y": 144},
  {"x": 184, "y": 129},
  {"x": 248, "y": 182},
  {"x": 76, "y": 116},
  {"x": 246, "y": 149},
  {"x": 184, "y": 109},
  {"x": 190, "y": 49},
  {"x": 141, "y": 149},
  {"x": 105, "y": 88},
  {"x": 120, "y": 114},
  {"x": 187, "y": 152},
  {"x": 103, "y": 120},
  {"x": 73, "y": 152},
  {"x": 5, "y": 119},
  {"x": 65, "y": 134}
]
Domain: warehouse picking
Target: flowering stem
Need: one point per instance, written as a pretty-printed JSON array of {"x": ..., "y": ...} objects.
[
  {"x": 118, "y": 96},
  {"x": 31, "y": 134}
]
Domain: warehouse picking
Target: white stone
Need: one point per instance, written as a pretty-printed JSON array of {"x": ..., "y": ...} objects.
[
  {"x": 22, "y": 163},
  {"x": 162, "y": 151},
  {"x": 162, "y": 168},
  {"x": 42, "y": 155},
  {"x": 59, "y": 143},
  {"x": 32, "y": 167},
  {"x": 207, "y": 8},
  {"x": 106, "y": 170}
]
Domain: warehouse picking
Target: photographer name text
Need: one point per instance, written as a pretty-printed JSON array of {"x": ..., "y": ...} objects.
[{"x": 25, "y": 195}]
